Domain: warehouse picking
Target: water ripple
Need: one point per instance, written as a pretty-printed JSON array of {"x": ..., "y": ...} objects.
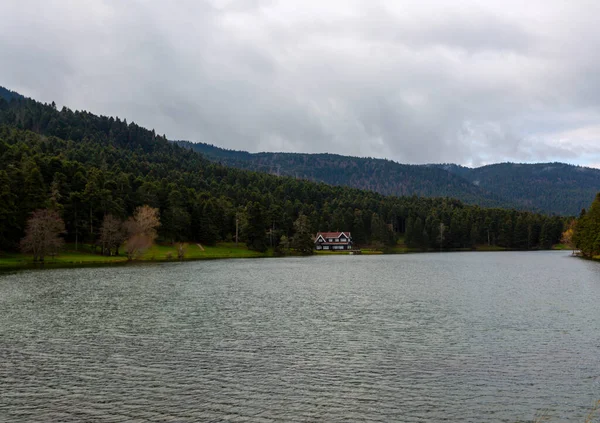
[{"x": 432, "y": 337}]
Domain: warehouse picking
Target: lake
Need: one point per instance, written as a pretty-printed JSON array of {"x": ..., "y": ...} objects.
[{"x": 460, "y": 337}]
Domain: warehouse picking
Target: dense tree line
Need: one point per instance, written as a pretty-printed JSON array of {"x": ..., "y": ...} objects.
[
  {"x": 586, "y": 230},
  {"x": 465, "y": 227},
  {"x": 383, "y": 176},
  {"x": 552, "y": 187},
  {"x": 549, "y": 187},
  {"x": 87, "y": 167}
]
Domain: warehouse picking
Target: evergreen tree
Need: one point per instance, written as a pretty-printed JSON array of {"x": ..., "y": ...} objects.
[
  {"x": 359, "y": 234},
  {"x": 520, "y": 237},
  {"x": 474, "y": 236},
  {"x": 545, "y": 240},
  {"x": 418, "y": 229},
  {"x": 255, "y": 229},
  {"x": 587, "y": 229},
  {"x": 8, "y": 216},
  {"x": 409, "y": 233},
  {"x": 302, "y": 240},
  {"x": 505, "y": 234}
]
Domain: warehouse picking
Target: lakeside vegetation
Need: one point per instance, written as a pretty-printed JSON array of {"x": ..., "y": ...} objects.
[
  {"x": 89, "y": 170},
  {"x": 88, "y": 255},
  {"x": 583, "y": 233}
]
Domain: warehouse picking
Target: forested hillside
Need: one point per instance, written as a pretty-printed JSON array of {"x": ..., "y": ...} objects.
[
  {"x": 549, "y": 187},
  {"x": 552, "y": 187},
  {"x": 8, "y": 95},
  {"x": 86, "y": 167},
  {"x": 382, "y": 176}
]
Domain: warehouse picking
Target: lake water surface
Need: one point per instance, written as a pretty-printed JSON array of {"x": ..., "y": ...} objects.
[{"x": 474, "y": 337}]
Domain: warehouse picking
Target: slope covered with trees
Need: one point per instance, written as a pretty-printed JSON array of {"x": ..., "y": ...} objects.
[
  {"x": 549, "y": 187},
  {"x": 86, "y": 167},
  {"x": 9, "y": 95},
  {"x": 379, "y": 175},
  {"x": 552, "y": 187},
  {"x": 586, "y": 230}
]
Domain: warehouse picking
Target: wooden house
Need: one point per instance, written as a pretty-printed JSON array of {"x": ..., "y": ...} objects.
[{"x": 333, "y": 241}]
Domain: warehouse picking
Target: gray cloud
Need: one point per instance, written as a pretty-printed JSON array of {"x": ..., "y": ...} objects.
[{"x": 430, "y": 81}]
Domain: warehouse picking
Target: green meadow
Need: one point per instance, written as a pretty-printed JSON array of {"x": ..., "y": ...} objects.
[{"x": 84, "y": 255}]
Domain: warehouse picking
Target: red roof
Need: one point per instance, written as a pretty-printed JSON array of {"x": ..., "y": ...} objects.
[{"x": 332, "y": 234}]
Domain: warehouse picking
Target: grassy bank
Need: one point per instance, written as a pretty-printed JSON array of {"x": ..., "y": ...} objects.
[{"x": 84, "y": 255}]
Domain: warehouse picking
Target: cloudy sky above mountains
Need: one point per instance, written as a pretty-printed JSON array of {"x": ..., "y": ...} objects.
[{"x": 469, "y": 82}]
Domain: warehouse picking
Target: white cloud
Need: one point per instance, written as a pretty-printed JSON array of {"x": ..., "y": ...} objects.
[{"x": 430, "y": 81}]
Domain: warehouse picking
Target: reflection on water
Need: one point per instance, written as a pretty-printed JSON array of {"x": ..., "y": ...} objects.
[{"x": 478, "y": 337}]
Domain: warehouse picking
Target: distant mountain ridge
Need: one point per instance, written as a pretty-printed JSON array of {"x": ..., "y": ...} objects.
[
  {"x": 8, "y": 95},
  {"x": 555, "y": 188}
]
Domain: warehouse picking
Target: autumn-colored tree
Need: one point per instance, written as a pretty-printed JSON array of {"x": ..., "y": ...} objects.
[
  {"x": 42, "y": 234},
  {"x": 147, "y": 220},
  {"x": 567, "y": 235},
  {"x": 181, "y": 250},
  {"x": 112, "y": 234},
  {"x": 141, "y": 230}
]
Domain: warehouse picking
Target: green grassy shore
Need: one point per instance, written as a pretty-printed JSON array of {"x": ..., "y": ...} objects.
[{"x": 85, "y": 256}]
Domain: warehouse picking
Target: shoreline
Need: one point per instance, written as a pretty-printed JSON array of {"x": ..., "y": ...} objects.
[
  {"x": 165, "y": 254},
  {"x": 86, "y": 257}
]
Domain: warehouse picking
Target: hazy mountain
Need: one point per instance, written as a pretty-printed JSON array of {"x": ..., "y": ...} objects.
[
  {"x": 550, "y": 187},
  {"x": 383, "y": 176},
  {"x": 8, "y": 95}
]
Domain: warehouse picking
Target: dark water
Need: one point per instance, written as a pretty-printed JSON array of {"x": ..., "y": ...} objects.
[{"x": 475, "y": 337}]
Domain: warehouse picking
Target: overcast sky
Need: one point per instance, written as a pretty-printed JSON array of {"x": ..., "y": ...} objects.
[{"x": 469, "y": 82}]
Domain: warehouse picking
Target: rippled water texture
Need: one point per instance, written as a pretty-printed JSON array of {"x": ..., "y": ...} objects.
[{"x": 477, "y": 337}]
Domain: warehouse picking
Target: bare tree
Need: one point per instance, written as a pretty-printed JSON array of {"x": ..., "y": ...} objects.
[
  {"x": 148, "y": 219},
  {"x": 181, "y": 250},
  {"x": 42, "y": 234},
  {"x": 112, "y": 234},
  {"x": 141, "y": 231},
  {"x": 136, "y": 245}
]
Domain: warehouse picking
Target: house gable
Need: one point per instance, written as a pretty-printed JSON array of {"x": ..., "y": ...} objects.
[
  {"x": 343, "y": 235},
  {"x": 333, "y": 239}
]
